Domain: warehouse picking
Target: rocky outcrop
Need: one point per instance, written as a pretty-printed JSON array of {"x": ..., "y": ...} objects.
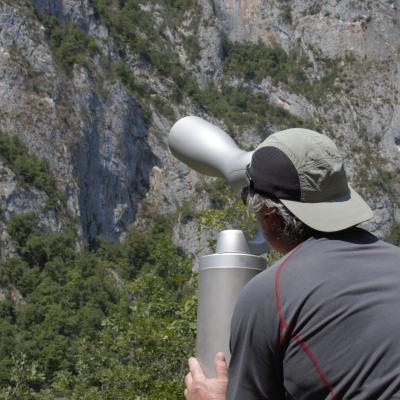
[
  {"x": 89, "y": 128},
  {"x": 112, "y": 160}
]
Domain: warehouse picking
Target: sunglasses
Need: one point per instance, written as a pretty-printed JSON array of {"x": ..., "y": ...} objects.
[{"x": 249, "y": 189}]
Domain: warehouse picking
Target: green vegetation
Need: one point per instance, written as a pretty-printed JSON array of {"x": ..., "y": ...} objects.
[
  {"x": 251, "y": 61},
  {"x": 146, "y": 39},
  {"x": 394, "y": 235},
  {"x": 117, "y": 322},
  {"x": 286, "y": 12},
  {"x": 69, "y": 43},
  {"x": 143, "y": 93},
  {"x": 192, "y": 47},
  {"x": 375, "y": 174},
  {"x": 236, "y": 106},
  {"x": 24, "y": 6},
  {"x": 137, "y": 29},
  {"x": 29, "y": 169},
  {"x": 242, "y": 107},
  {"x": 256, "y": 61},
  {"x": 163, "y": 107},
  {"x": 226, "y": 210},
  {"x": 123, "y": 72},
  {"x": 373, "y": 178}
]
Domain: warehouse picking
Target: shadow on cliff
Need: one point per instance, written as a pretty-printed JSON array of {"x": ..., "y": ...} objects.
[
  {"x": 112, "y": 160},
  {"x": 112, "y": 163}
]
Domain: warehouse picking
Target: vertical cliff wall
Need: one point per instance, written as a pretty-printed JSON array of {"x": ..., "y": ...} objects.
[
  {"x": 96, "y": 98},
  {"x": 81, "y": 119}
]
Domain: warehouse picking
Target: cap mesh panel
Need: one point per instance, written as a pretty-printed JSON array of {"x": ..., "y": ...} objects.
[{"x": 274, "y": 175}]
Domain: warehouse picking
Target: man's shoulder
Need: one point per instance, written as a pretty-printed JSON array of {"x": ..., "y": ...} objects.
[
  {"x": 264, "y": 282},
  {"x": 323, "y": 248},
  {"x": 323, "y": 259}
]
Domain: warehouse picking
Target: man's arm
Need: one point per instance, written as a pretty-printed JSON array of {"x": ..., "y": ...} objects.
[{"x": 199, "y": 387}]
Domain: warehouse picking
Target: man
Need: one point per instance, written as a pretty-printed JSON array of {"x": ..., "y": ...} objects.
[{"x": 324, "y": 321}]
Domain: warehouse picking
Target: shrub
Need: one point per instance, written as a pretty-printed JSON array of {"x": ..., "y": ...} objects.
[
  {"x": 251, "y": 61},
  {"x": 242, "y": 107},
  {"x": 29, "y": 169},
  {"x": 394, "y": 234},
  {"x": 21, "y": 227},
  {"x": 123, "y": 72},
  {"x": 69, "y": 43}
]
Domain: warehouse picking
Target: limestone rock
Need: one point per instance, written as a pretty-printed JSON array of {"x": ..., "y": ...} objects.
[{"x": 113, "y": 164}]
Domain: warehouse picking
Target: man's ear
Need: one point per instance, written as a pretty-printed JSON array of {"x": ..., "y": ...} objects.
[{"x": 271, "y": 221}]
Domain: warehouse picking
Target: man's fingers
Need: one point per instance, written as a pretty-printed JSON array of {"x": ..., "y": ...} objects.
[
  {"x": 195, "y": 369},
  {"x": 188, "y": 379},
  {"x": 221, "y": 368}
]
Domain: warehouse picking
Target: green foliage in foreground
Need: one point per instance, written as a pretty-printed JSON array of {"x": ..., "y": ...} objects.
[
  {"x": 29, "y": 169},
  {"x": 115, "y": 323},
  {"x": 226, "y": 210}
]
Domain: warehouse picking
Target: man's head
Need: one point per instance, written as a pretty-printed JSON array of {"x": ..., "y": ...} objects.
[
  {"x": 282, "y": 229},
  {"x": 297, "y": 181}
]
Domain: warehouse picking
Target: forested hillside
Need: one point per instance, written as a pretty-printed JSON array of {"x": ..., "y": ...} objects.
[
  {"x": 118, "y": 322},
  {"x": 100, "y": 227}
]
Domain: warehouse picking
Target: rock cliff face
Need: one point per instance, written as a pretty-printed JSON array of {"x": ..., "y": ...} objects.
[
  {"x": 106, "y": 143},
  {"x": 90, "y": 130}
]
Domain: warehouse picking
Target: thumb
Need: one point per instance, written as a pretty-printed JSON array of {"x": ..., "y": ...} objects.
[{"x": 221, "y": 368}]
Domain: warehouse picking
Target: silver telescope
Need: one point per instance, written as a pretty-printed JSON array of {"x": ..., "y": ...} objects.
[{"x": 211, "y": 151}]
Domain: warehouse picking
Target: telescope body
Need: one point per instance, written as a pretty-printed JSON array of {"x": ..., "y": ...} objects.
[
  {"x": 209, "y": 150},
  {"x": 221, "y": 278}
]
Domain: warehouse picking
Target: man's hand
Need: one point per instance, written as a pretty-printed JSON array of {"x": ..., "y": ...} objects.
[{"x": 199, "y": 387}]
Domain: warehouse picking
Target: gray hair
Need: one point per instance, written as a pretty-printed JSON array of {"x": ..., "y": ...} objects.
[{"x": 293, "y": 229}]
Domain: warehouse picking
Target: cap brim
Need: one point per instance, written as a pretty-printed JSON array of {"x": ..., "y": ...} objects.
[{"x": 334, "y": 215}]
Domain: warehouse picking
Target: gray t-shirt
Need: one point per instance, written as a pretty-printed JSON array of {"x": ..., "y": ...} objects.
[{"x": 321, "y": 323}]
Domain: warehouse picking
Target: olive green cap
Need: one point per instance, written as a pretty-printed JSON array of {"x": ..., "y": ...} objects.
[{"x": 305, "y": 171}]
